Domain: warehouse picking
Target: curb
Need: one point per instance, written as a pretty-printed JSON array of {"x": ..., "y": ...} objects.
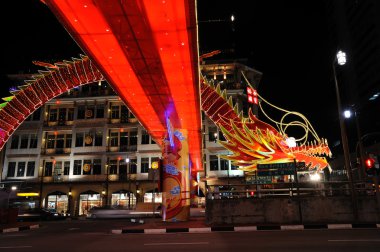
[
  {"x": 17, "y": 229},
  {"x": 246, "y": 228}
]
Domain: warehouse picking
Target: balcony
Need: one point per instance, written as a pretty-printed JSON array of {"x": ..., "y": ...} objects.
[
  {"x": 48, "y": 151},
  {"x": 123, "y": 148}
]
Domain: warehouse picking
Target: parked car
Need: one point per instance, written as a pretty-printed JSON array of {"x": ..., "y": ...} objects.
[
  {"x": 36, "y": 214},
  {"x": 141, "y": 210},
  {"x": 108, "y": 212}
]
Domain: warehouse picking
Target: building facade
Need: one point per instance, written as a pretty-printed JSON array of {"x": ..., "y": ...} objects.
[{"x": 85, "y": 148}]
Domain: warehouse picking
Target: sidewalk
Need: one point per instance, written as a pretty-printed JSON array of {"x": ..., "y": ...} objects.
[
  {"x": 18, "y": 226},
  {"x": 197, "y": 224}
]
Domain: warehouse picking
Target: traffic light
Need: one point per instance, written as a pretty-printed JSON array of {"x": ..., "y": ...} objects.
[{"x": 370, "y": 166}]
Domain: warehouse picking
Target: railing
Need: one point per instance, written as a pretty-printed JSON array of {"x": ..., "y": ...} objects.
[{"x": 318, "y": 189}]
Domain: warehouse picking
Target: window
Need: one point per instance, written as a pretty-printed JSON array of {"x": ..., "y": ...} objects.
[
  {"x": 48, "y": 169},
  {"x": 124, "y": 114},
  {"x": 21, "y": 169},
  {"x": 70, "y": 114},
  {"x": 11, "y": 169},
  {"x": 100, "y": 111},
  {"x": 115, "y": 112},
  {"x": 90, "y": 112},
  {"x": 15, "y": 140},
  {"x": 133, "y": 138},
  {"x": 62, "y": 115},
  {"x": 79, "y": 139},
  {"x": 33, "y": 141},
  {"x": 68, "y": 140},
  {"x": 66, "y": 168},
  {"x": 213, "y": 163},
  {"x": 133, "y": 166},
  {"x": 77, "y": 167},
  {"x": 53, "y": 116},
  {"x": 144, "y": 165},
  {"x": 88, "y": 140},
  {"x": 30, "y": 168},
  {"x": 123, "y": 139},
  {"x": 97, "y": 167},
  {"x": 24, "y": 141},
  {"x": 50, "y": 141},
  {"x": 234, "y": 167},
  {"x": 60, "y": 141},
  {"x": 114, "y": 139},
  {"x": 123, "y": 169},
  {"x": 99, "y": 138},
  {"x": 58, "y": 169},
  {"x": 87, "y": 167},
  {"x": 223, "y": 164},
  {"x": 81, "y": 112},
  {"x": 112, "y": 166},
  {"x": 211, "y": 134},
  {"x": 144, "y": 137},
  {"x": 221, "y": 136}
]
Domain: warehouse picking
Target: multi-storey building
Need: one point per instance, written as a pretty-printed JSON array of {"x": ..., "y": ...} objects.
[
  {"x": 85, "y": 148},
  {"x": 354, "y": 27}
]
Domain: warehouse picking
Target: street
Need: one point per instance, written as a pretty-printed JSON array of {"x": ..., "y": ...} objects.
[{"x": 95, "y": 235}]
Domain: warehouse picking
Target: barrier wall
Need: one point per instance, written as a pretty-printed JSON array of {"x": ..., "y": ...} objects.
[{"x": 290, "y": 210}]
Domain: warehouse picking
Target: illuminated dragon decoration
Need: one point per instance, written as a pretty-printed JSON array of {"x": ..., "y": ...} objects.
[
  {"x": 253, "y": 141},
  {"x": 44, "y": 86},
  {"x": 250, "y": 140}
]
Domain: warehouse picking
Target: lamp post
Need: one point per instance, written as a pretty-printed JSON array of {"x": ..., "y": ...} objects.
[
  {"x": 361, "y": 169},
  {"x": 129, "y": 183},
  {"x": 13, "y": 188},
  {"x": 341, "y": 60}
]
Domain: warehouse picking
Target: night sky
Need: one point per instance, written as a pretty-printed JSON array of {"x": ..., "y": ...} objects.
[{"x": 285, "y": 40}]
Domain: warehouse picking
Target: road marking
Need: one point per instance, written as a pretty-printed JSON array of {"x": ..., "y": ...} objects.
[
  {"x": 339, "y": 226},
  {"x": 362, "y": 240},
  {"x": 199, "y": 230},
  {"x": 71, "y": 229},
  {"x": 176, "y": 243},
  {"x": 15, "y": 247}
]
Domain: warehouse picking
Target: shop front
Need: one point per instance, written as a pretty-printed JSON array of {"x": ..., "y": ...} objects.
[
  {"x": 58, "y": 201},
  {"x": 88, "y": 200}
]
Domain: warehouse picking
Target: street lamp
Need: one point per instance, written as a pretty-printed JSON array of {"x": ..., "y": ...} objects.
[
  {"x": 13, "y": 188},
  {"x": 129, "y": 183},
  {"x": 361, "y": 170},
  {"x": 341, "y": 60}
]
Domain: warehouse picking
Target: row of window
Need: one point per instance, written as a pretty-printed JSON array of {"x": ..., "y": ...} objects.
[
  {"x": 82, "y": 139},
  {"x": 117, "y": 111},
  {"x": 80, "y": 167},
  {"x": 223, "y": 164},
  {"x": 94, "y": 167},
  {"x": 24, "y": 169}
]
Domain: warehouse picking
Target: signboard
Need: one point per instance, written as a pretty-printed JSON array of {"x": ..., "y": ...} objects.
[
  {"x": 279, "y": 169},
  {"x": 260, "y": 180}
]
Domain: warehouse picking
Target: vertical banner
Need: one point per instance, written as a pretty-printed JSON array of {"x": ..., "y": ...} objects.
[{"x": 176, "y": 184}]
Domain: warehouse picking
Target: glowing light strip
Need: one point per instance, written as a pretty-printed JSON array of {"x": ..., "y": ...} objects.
[
  {"x": 169, "y": 25},
  {"x": 170, "y": 131},
  {"x": 103, "y": 46},
  {"x": 86, "y": 23},
  {"x": 27, "y": 194}
]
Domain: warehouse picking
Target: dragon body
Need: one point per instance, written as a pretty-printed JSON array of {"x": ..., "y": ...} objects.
[{"x": 253, "y": 141}]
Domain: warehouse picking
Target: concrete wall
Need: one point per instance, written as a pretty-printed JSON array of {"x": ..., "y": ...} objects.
[{"x": 290, "y": 211}]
